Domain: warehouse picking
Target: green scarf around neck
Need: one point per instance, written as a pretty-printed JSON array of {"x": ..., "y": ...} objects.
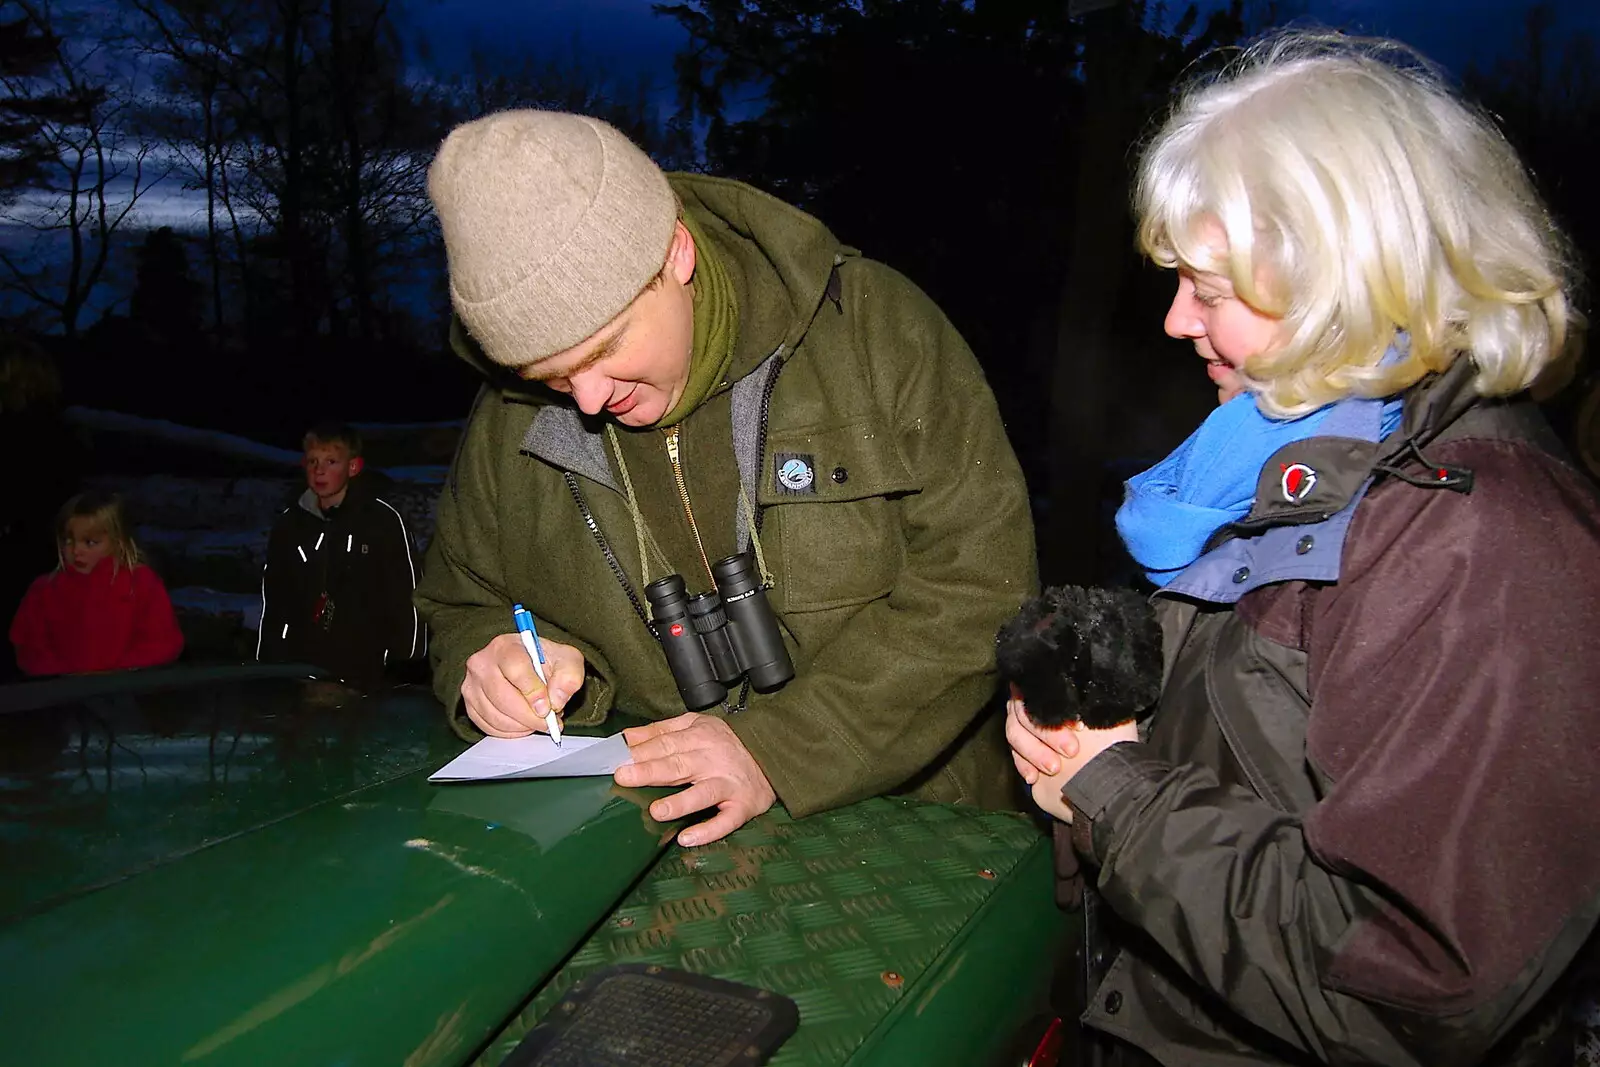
[{"x": 716, "y": 326}]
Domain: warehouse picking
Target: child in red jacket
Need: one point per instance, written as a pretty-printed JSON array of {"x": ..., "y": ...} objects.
[{"x": 100, "y": 609}]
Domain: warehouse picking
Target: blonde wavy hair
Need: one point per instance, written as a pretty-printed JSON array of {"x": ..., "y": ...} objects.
[
  {"x": 1359, "y": 196},
  {"x": 104, "y": 512}
]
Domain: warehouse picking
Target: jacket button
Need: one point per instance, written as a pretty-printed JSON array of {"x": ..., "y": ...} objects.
[
  {"x": 840, "y": 475},
  {"x": 1304, "y": 545},
  {"x": 1113, "y": 1002},
  {"x": 1241, "y": 576}
]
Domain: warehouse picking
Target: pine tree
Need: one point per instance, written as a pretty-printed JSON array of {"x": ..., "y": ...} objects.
[{"x": 27, "y": 54}]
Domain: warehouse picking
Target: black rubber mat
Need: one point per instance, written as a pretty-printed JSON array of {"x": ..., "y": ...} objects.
[{"x": 640, "y": 1015}]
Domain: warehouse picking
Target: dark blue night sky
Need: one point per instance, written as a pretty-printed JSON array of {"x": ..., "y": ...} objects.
[{"x": 625, "y": 39}]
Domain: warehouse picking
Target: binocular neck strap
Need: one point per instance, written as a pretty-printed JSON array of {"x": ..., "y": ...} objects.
[
  {"x": 755, "y": 536},
  {"x": 648, "y": 540},
  {"x": 640, "y": 529}
]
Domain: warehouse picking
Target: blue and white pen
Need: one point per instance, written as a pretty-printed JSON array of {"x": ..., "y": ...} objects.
[{"x": 529, "y": 635}]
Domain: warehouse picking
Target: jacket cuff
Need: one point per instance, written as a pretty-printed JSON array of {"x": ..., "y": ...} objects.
[
  {"x": 763, "y": 745},
  {"x": 1114, "y": 778}
]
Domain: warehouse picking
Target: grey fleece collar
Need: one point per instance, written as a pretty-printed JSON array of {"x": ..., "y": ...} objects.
[
  {"x": 308, "y": 503},
  {"x": 561, "y": 436}
]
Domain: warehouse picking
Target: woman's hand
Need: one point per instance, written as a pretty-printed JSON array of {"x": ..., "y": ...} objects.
[
  {"x": 1086, "y": 743},
  {"x": 1033, "y": 755},
  {"x": 1048, "y": 759}
]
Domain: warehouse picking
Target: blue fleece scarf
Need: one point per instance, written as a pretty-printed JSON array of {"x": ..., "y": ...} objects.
[{"x": 1172, "y": 509}]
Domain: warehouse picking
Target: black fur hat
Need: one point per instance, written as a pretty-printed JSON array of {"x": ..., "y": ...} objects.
[{"x": 1090, "y": 655}]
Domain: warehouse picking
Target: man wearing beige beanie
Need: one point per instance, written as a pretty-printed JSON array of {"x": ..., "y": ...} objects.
[{"x": 682, "y": 368}]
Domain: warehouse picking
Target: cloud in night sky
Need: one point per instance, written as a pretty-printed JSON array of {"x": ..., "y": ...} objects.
[{"x": 623, "y": 40}]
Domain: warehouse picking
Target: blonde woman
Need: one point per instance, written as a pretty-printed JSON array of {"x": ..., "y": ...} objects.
[
  {"x": 1361, "y": 825},
  {"x": 101, "y": 609}
]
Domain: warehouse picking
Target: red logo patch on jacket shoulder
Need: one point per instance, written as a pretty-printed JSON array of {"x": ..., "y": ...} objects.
[{"x": 1298, "y": 481}]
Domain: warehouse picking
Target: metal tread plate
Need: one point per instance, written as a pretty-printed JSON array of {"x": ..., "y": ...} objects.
[{"x": 842, "y": 911}]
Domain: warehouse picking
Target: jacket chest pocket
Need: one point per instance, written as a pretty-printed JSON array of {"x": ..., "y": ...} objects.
[{"x": 833, "y": 515}]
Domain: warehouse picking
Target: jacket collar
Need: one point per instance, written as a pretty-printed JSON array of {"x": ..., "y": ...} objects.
[
  {"x": 1435, "y": 403},
  {"x": 564, "y": 437},
  {"x": 1307, "y": 492},
  {"x": 356, "y": 491}
]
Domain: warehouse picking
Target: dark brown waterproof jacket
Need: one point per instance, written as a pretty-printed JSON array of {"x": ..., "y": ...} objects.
[{"x": 1363, "y": 826}]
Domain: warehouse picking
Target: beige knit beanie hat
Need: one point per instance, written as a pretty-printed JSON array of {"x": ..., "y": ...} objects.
[{"x": 552, "y": 224}]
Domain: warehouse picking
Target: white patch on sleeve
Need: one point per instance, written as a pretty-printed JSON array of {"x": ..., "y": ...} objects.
[
  {"x": 405, "y": 546},
  {"x": 261, "y": 628}
]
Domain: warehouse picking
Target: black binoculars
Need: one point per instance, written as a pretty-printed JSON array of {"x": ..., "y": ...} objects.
[{"x": 714, "y": 639}]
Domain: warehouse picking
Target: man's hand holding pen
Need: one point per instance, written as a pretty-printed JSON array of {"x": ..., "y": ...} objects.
[
  {"x": 504, "y": 697},
  {"x": 503, "y": 694}
]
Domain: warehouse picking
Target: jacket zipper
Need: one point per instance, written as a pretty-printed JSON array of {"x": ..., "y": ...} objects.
[
  {"x": 605, "y": 547},
  {"x": 761, "y": 438},
  {"x": 672, "y": 453},
  {"x": 742, "y": 701},
  {"x": 683, "y": 495}
]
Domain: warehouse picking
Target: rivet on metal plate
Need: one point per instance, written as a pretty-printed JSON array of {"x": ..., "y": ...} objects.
[
  {"x": 892, "y": 979},
  {"x": 986, "y": 873},
  {"x": 626, "y": 920}
]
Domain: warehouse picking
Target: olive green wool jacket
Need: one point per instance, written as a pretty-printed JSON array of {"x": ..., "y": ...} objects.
[{"x": 892, "y": 570}]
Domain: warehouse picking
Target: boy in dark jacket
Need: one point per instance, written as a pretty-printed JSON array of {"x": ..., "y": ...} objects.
[{"x": 336, "y": 589}]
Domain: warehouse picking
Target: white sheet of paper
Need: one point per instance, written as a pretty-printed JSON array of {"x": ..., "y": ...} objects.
[{"x": 535, "y": 756}]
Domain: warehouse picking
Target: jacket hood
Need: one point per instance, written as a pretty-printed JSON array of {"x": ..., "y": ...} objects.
[
  {"x": 472, "y": 354},
  {"x": 1438, "y": 400},
  {"x": 759, "y": 238}
]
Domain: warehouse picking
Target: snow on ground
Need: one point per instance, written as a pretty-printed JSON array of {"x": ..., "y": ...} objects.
[
  {"x": 423, "y": 474},
  {"x": 215, "y": 442},
  {"x": 198, "y": 600},
  {"x": 203, "y": 506}
]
